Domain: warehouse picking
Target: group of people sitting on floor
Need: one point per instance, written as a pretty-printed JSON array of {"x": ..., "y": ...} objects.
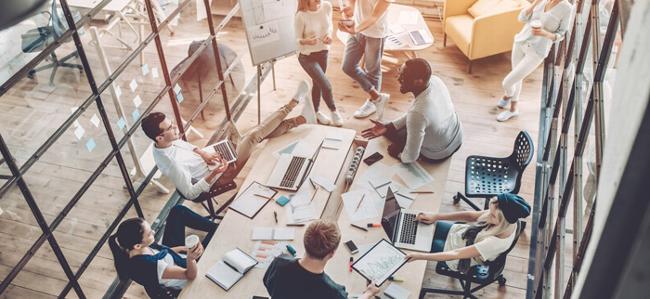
[{"x": 429, "y": 131}]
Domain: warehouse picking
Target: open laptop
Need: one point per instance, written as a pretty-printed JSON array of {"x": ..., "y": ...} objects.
[
  {"x": 401, "y": 227},
  {"x": 225, "y": 148},
  {"x": 291, "y": 170}
]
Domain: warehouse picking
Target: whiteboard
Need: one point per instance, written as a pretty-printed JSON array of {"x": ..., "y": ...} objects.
[{"x": 269, "y": 28}]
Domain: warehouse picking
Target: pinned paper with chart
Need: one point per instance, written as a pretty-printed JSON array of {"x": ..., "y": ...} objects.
[
  {"x": 380, "y": 262},
  {"x": 269, "y": 28}
]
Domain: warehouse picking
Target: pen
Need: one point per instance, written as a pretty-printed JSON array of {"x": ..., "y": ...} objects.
[
  {"x": 373, "y": 225},
  {"x": 295, "y": 224},
  {"x": 275, "y": 215},
  {"x": 393, "y": 278},
  {"x": 359, "y": 227},
  {"x": 421, "y": 192},
  {"x": 350, "y": 264},
  {"x": 360, "y": 201}
]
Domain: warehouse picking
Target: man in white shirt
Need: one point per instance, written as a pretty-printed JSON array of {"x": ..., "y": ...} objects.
[
  {"x": 188, "y": 166},
  {"x": 367, "y": 32},
  {"x": 431, "y": 129}
]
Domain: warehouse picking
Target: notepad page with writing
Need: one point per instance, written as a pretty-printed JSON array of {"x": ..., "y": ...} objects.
[{"x": 223, "y": 275}]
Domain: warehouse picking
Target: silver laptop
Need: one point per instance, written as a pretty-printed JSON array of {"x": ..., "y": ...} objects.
[
  {"x": 225, "y": 148},
  {"x": 402, "y": 229},
  {"x": 291, "y": 170}
]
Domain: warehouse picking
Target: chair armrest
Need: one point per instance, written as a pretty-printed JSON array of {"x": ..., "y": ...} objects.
[
  {"x": 456, "y": 7},
  {"x": 493, "y": 34}
]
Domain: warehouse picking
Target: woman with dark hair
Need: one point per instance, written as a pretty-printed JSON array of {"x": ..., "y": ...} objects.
[{"x": 162, "y": 269}]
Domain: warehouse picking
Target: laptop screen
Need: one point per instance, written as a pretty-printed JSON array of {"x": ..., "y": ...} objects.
[{"x": 391, "y": 214}]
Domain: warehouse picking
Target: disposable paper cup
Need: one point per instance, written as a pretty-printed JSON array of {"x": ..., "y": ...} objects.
[
  {"x": 347, "y": 22},
  {"x": 536, "y": 24},
  {"x": 191, "y": 241}
]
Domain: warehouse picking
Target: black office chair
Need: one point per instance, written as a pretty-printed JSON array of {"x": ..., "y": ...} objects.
[
  {"x": 482, "y": 275},
  {"x": 35, "y": 40},
  {"x": 486, "y": 177},
  {"x": 206, "y": 199}
]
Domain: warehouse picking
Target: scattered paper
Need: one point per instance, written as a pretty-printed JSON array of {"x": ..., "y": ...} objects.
[
  {"x": 95, "y": 120},
  {"x": 394, "y": 291},
  {"x": 265, "y": 251},
  {"x": 262, "y": 233},
  {"x": 137, "y": 101},
  {"x": 322, "y": 182},
  {"x": 154, "y": 72},
  {"x": 133, "y": 85},
  {"x": 90, "y": 145},
  {"x": 300, "y": 214},
  {"x": 381, "y": 191},
  {"x": 284, "y": 233},
  {"x": 404, "y": 200},
  {"x": 332, "y": 143},
  {"x": 145, "y": 69},
  {"x": 408, "y": 17},
  {"x": 79, "y": 132},
  {"x": 263, "y": 34},
  {"x": 358, "y": 209},
  {"x": 413, "y": 175},
  {"x": 287, "y": 149}
]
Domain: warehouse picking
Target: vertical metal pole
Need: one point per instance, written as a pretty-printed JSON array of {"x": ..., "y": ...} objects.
[
  {"x": 259, "y": 99},
  {"x": 599, "y": 117},
  {"x": 217, "y": 58},
  {"x": 273, "y": 73}
]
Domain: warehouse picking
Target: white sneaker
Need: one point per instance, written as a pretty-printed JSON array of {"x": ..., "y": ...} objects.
[
  {"x": 301, "y": 91},
  {"x": 503, "y": 103},
  {"x": 337, "y": 120},
  {"x": 322, "y": 118},
  {"x": 506, "y": 115},
  {"x": 365, "y": 110},
  {"x": 380, "y": 103}
]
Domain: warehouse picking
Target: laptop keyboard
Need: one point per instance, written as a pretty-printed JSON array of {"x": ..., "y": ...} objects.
[
  {"x": 222, "y": 148},
  {"x": 409, "y": 229},
  {"x": 292, "y": 172}
]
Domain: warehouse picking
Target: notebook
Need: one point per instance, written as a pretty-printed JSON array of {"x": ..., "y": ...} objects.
[
  {"x": 273, "y": 233},
  {"x": 228, "y": 271},
  {"x": 250, "y": 201}
]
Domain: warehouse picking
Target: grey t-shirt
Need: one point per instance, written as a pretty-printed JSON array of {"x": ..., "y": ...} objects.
[{"x": 286, "y": 279}]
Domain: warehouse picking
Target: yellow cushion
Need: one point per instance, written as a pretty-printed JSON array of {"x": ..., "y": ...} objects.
[
  {"x": 489, "y": 7},
  {"x": 459, "y": 29}
]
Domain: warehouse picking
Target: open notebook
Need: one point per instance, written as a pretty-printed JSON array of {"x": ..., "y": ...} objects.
[{"x": 228, "y": 271}]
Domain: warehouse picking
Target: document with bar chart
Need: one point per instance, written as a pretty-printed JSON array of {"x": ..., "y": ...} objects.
[{"x": 380, "y": 262}]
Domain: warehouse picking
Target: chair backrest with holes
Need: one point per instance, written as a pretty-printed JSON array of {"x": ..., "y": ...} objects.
[{"x": 523, "y": 150}]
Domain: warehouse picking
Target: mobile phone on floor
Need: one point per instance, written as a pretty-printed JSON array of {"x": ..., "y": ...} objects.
[
  {"x": 373, "y": 158},
  {"x": 352, "y": 247}
]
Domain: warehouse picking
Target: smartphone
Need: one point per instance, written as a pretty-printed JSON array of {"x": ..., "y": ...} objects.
[
  {"x": 352, "y": 247},
  {"x": 373, "y": 158}
]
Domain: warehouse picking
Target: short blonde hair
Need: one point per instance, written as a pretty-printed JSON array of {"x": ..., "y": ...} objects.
[{"x": 321, "y": 238}]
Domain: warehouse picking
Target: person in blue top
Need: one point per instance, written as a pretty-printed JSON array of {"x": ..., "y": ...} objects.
[{"x": 163, "y": 270}]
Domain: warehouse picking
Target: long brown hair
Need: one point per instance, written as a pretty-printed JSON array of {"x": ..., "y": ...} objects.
[{"x": 303, "y": 5}]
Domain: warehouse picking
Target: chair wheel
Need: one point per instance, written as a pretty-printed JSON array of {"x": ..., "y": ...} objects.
[
  {"x": 31, "y": 74},
  {"x": 502, "y": 281},
  {"x": 456, "y": 199}
]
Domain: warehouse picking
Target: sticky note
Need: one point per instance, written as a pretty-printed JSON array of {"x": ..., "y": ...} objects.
[
  {"x": 145, "y": 69},
  {"x": 135, "y": 114},
  {"x": 154, "y": 72},
  {"x": 79, "y": 132},
  {"x": 179, "y": 97},
  {"x": 133, "y": 85},
  {"x": 90, "y": 144},
  {"x": 121, "y": 123},
  {"x": 137, "y": 101},
  {"x": 95, "y": 120}
]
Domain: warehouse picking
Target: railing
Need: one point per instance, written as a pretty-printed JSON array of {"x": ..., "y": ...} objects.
[{"x": 560, "y": 167}]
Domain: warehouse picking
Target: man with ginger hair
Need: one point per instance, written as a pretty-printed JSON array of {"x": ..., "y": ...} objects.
[{"x": 292, "y": 278}]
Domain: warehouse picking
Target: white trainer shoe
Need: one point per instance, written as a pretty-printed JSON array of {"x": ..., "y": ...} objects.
[
  {"x": 322, "y": 118},
  {"x": 506, "y": 115},
  {"x": 365, "y": 110},
  {"x": 301, "y": 91},
  {"x": 503, "y": 103},
  {"x": 337, "y": 120},
  {"x": 380, "y": 103}
]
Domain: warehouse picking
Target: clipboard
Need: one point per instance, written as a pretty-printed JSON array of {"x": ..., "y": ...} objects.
[
  {"x": 369, "y": 254},
  {"x": 250, "y": 204}
]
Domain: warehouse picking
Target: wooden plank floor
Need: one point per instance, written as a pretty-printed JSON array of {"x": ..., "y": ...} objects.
[{"x": 30, "y": 112}]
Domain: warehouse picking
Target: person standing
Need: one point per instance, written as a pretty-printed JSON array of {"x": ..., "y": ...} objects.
[
  {"x": 367, "y": 32},
  {"x": 314, "y": 36},
  {"x": 546, "y": 22}
]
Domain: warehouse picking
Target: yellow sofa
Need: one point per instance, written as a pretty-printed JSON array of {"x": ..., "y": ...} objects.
[{"x": 482, "y": 28}]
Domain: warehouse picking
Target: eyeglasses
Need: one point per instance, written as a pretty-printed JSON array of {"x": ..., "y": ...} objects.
[{"x": 171, "y": 127}]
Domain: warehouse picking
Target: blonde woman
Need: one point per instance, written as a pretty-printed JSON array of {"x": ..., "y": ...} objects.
[
  {"x": 314, "y": 36},
  {"x": 496, "y": 231},
  {"x": 546, "y": 22}
]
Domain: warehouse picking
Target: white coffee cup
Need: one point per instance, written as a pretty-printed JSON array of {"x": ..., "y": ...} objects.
[
  {"x": 536, "y": 24},
  {"x": 191, "y": 241}
]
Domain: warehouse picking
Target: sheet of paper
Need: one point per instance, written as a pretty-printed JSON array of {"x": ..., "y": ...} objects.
[
  {"x": 263, "y": 34},
  {"x": 135, "y": 115},
  {"x": 265, "y": 251},
  {"x": 300, "y": 214},
  {"x": 378, "y": 172},
  {"x": 332, "y": 143},
  {"x": 90, "y": 144},
  {"x": 262, "y": 233},
  {"x": 262, "y": 190},
  {"x": 358, "y": 209},
  {"x": 322, "y": 182},
  {"x": 79, "y": 132},
  {"x": 251, "y": 199},
  {"x": 118, "y": 91},
  {"x": 394, "y": 291},
  {"x": 413, "y": 175},
  {"x": 380, "y": 262},
  {"x": 378, "y": 181},
  {"x": 304, "y": 195},
  {"x": 408, "y": 17},
  {"x": 268, "y": 10},
  {"x": 384, "y": 189},
  {"x": 95, "y": 120},
  {"x": 284, "y": 233},
  {"x": 121, "y": 123},
  {"x": 404, "y": 200},
  {"x": 133, "y": 85},
  {"x": 395, "y": 28},
  {"x": 154, "y": 72},
  {"x": 288, "y": 149},
  {"x": 137, "y": 101},
  {"x": 145, "y": 69}
]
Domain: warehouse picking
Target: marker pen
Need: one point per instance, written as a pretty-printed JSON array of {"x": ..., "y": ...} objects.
[
  {"x": 374, "y": 225},
  {"x": 291, "y": 250},
  {"x": 350, "y": 264}
]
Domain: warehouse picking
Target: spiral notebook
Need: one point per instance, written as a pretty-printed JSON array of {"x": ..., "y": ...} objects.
[{"x": 228, "y": 271}]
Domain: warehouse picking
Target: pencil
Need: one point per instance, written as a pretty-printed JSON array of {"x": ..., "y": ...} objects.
[
  {"x": 360, "y": 201},
  {"x": 421, "y": 192}
]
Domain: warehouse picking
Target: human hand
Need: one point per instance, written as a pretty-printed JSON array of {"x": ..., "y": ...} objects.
[
  {"x": 223, "y": 165},
  {"x": 210, "y": 159},
  {"x": 310, "y": 41},
  {"x": 195, "y": 253},
  {"x": 348, "y": 12},
  {"x": 371, "y": 290},
  {"x": 394, "y": 150},
  {"x": 541, "y": 32},
  {"x": 377, "y": 130},
  {"x": 426, "y": 218},
  {"x": 412, "y": 256},
  {"x": 346, "y": 28},
  {"x": 327, "y": 40}
]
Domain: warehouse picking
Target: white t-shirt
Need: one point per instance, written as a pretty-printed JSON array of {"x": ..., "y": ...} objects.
[
  {"x": 489, "y": 248},
  {"x": 163, "y": 263},
  {"x": 314, "y": 24},
  {"x": 363, "y": 10}
]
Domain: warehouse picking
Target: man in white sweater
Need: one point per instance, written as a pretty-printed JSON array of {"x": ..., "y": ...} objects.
[{"x": 430, "y": 130}]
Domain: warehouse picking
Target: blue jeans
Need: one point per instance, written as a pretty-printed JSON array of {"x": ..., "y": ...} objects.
[
  {"x": 181, "y": 217},
  {"x": 315, "y": 64},
  {"x": 372, "y": 49}
]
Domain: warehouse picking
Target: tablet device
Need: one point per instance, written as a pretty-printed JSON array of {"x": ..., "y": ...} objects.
[{"x": 380, "y": 262}]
